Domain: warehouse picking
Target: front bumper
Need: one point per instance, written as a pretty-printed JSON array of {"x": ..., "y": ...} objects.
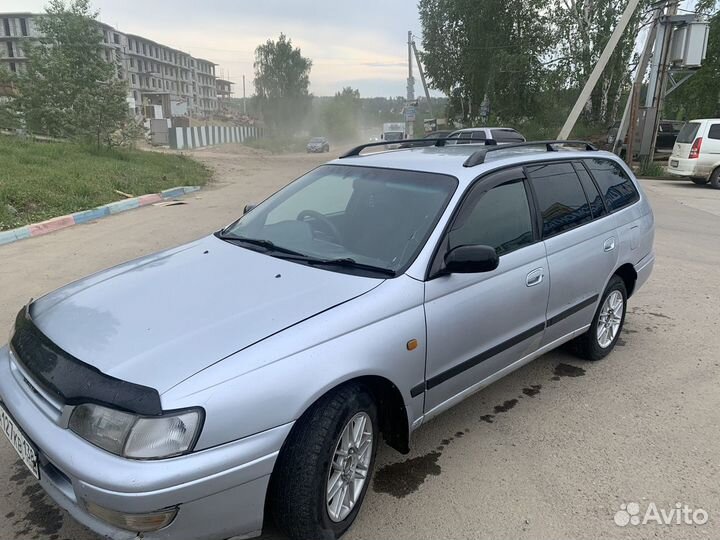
[{"x": 220, "y": 491}]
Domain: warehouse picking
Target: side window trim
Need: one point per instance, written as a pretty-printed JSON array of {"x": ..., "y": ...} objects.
[
  {"x": 537, "y": 203},
  {"x": 580, "y": 163},
  {"x": 485, "y": 183}
]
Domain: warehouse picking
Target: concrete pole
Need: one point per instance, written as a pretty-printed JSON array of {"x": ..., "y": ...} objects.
[
  {"x": 244, "y": 98},
  {"x": 662, "y": 82},
  {"x": 422, "y": 79},
  {"x": 599, "y": 68},
  {"x": 410, "y": 126},
  {"x": 629, "y": 120}
]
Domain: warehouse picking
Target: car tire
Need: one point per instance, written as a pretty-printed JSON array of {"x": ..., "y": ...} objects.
[
  {"x": 715, "y": 178},
  {"x": 299, "y": 485},
  {"x": 700, "y": 181},
  {"x": 594, "y": 344}
]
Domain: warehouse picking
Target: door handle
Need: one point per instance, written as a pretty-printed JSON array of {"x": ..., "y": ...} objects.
[
  {"x": 535, "y": 277},
  {"x": 609, "y": 244}
]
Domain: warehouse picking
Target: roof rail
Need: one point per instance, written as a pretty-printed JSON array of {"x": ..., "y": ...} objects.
[
  {"x": 356, "y": 151},
  {"x": 478, "y": 158}
]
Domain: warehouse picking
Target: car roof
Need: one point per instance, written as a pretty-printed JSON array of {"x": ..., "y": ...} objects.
[
  {"x": 449, "y": 159},
  {"x": 470, "y": 130}
]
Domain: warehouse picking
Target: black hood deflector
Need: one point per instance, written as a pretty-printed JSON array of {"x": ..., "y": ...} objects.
[{"x": 72, "y": 381}]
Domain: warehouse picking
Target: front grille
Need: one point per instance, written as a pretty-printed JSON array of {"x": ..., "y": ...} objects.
[{"x": 50, "y": 406}]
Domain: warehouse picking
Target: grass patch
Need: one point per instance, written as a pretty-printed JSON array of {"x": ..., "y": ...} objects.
[
  {"x": 650, "y": 169},
  {"x": 39, "y": 181}
]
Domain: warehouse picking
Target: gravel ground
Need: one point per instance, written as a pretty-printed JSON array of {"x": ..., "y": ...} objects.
[{"x": 551, "y": 451}]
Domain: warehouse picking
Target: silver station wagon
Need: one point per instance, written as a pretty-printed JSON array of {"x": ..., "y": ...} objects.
[{"x": 251, "y": 374}]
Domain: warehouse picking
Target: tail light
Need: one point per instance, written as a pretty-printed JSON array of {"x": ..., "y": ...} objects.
[{"x": 695, "y": 150}]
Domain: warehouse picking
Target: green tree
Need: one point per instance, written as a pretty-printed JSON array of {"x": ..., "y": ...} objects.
[
  {"x": 69, "y": 89},
  {"x": 8, "y": 116},
  {"x": 582, "y": 29},
  {"x": 486, "y": 55},
  {"x": 282, "y": 79},
  {"x": 341, "y": 115}
]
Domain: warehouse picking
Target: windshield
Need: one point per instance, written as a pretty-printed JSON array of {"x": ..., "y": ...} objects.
[
  {"x": 317, "y": 140},
  {"x": 376, "y": 217},
  {"x": 688, "y": 132},
  {"x": 394, "y": 136}
]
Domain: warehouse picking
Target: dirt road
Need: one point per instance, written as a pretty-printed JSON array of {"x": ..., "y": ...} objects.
[{"x": 551, "y": 451}]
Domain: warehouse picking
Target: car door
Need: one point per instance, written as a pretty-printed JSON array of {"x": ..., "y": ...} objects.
[
  {"x": 479, "y": 324},
  {"x": 581, "y": 244}
]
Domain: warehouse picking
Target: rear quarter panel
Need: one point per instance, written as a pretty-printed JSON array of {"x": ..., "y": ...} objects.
[{"x": 635, "y": 228}]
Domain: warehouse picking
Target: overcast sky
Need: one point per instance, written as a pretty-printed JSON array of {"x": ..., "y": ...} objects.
[{"x": 360, "y": 44}]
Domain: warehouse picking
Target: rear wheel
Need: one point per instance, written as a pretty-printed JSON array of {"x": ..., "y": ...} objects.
[
  {"x": 700, "y": 181},
  {"x": 604, "y": 332},
  {"x": 325, "y": 467},
  {"x": 715, "y": 178}
]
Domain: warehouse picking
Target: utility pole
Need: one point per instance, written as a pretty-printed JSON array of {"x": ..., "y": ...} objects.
[
  {"x": 599, "y": 68},
  {"x": 244, "y": 98},
  {"x": 422, "y": 79},
  {"x": 409, "y": 125},
  {"x": 629, "y": 120},
  {"x": 652, "y": 119},
  {"x": 411, "y": 79}
]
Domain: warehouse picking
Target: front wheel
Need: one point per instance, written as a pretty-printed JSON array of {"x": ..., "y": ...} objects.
[
  {"x": 325, "y": 466},
  {"x": 604, "y": 332}
]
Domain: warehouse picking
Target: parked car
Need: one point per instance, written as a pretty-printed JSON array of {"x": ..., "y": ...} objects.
[
  {"x": 253, "y": 372},
  {"x": 480, "y": 135},
  {"x": 668, "y": 131},
  {"x": 432, "y": 135},
  {"x": 318, "y": 145},
  {"x": 696, "y": 155}
]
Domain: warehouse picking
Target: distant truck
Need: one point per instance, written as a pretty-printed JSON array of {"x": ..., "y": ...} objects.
[{"x": 393, "y": 131}]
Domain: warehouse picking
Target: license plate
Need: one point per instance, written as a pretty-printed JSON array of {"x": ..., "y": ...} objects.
[
  {"x": 674, "y": 163},
  {"x": 20, "y": 443}
]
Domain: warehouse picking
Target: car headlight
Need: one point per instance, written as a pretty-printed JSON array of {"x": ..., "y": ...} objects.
[{"x": 138, "y": 437}]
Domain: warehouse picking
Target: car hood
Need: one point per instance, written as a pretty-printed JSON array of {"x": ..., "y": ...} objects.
[{"x": 161, "y": 319}]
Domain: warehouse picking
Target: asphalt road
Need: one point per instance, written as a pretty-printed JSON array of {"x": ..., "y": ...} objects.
[{"x": 551, "y": 451}]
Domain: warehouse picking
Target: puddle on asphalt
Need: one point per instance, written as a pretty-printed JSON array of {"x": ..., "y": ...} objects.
[
  {"x": 405, "y": 477},
  {"x": 506, "y": 406},
  {"x": 43, "y": 518},
  {"x": 566, "y": 370}
]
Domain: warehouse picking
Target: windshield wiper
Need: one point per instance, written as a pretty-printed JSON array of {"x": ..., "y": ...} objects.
[
  {"x": 267, "y": 244},
  {"x": 351, "y": 263},
  {"x": 289, "y": 254}
]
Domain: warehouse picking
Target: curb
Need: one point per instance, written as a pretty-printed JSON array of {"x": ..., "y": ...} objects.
[{"x": 84, "y": 216}]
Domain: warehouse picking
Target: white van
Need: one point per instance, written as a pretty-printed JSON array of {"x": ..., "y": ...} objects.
[{"x": 696, "y": 154}]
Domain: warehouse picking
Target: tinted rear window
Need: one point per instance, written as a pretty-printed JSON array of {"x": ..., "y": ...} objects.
[
  {"x": 688, "y": 132},
  {"x": 507, "y": 135},
  {"x": 561, "y": 198},
  {"x": 614, "y": 183},
  {"x": 596, "y": 203}
]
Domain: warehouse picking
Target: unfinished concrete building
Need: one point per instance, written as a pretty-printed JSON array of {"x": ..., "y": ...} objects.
[{"x": 157, "y": 75}]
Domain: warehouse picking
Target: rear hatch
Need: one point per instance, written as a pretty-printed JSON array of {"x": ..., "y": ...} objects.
[{"x": 685, "y": 140}]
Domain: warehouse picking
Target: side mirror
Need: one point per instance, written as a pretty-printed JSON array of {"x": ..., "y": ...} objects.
[
  {"x": 471, "y": 260},
  {"x": 248, "y": 207}
]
